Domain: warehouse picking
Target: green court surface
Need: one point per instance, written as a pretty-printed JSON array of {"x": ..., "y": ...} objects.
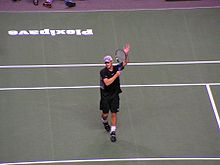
[{"x": 49, "y": 87}]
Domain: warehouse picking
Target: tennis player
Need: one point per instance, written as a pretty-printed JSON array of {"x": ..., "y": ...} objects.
[{"x": 110, "y": 90}]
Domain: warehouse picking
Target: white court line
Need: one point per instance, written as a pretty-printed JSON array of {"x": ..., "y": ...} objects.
[
  {"x": 48, "y": 88},
  {"x": 114, "y": 160},
  {"x": 49, "y": 66},
  {"x": 92, "y": 87},
  {"x": 101, "y": 65},
  {"x": 213, "y": 104}
]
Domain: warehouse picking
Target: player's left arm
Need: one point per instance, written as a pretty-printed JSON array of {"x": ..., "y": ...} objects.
[{"x": 126, "y": 50}]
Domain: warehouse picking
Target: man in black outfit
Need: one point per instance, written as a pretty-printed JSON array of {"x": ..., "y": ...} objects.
[{"x": 110, "y": 90}]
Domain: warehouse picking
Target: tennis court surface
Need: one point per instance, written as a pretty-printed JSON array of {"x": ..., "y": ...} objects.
[{"x": 49, "y": 87}]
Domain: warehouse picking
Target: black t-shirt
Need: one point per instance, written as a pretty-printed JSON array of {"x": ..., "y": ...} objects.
[{"x": 113, "y": 88}]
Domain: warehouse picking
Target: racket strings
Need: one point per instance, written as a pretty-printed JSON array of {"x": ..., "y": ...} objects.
[{"x": 120, "y": 55}]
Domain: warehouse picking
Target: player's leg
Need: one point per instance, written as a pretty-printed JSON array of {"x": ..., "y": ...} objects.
[
  {"x": 113, "y": 121},
  {"x": 105, "y": 122},
  {"x": 114, "y": 110},
  {"x": 105, "y": 111},
  {"x": 113, "y": 127}
]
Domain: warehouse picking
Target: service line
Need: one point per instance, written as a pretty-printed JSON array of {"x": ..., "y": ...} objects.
[{"x": 101, "y": 65}]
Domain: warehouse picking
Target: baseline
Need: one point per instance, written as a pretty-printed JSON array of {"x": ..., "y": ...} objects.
[{"x": 115, "y": 160}]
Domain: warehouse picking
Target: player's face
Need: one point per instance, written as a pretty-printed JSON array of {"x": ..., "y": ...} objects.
[{"x": 108, "y": 65}]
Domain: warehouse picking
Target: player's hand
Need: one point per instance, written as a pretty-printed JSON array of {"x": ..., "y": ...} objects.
[
  {"x": 118, "y": 73},
  {"x": 127, "y": 48}
]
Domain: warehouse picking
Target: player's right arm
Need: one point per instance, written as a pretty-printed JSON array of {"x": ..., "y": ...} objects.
[{"x": 109, "y": 81}]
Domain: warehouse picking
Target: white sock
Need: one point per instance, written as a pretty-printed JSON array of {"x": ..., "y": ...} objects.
[{"x": 113, "y": 128}]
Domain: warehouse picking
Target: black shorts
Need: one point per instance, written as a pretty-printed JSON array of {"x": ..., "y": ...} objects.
[{"x": 110, "y": 104}]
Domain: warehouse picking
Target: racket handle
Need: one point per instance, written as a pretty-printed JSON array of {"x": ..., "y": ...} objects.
[{"x": 120, "y": 66}]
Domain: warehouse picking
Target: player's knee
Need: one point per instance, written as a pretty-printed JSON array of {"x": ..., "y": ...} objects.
[
  {"x": 114, "y": 114},
  {"x": 105, "y": 116}
]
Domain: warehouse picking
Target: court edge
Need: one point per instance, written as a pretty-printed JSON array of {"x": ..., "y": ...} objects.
[{"x": 114, "y": 160}]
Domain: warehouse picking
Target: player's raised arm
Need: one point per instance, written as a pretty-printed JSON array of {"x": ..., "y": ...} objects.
[{"x": 126, "y": 50}]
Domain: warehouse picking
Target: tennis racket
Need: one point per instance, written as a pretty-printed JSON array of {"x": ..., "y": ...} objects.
[{"x": 120, "y": 55}]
